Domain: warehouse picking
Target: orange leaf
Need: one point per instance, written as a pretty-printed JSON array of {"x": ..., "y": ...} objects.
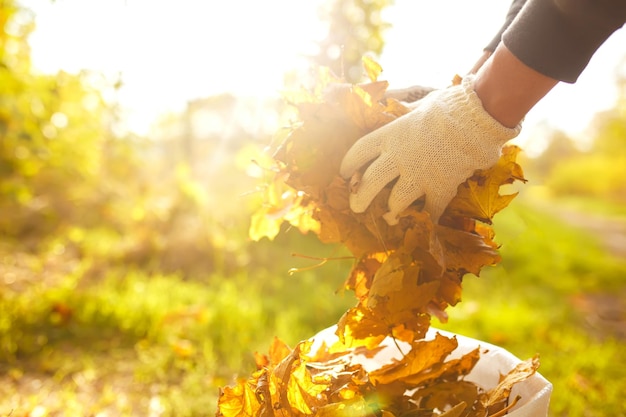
[
  {"x": 466, "y": 252},
  {"x": 278, "y": 351}
]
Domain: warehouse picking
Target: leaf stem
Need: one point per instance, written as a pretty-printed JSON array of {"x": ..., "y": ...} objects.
[{"x": 309, "y": 268}]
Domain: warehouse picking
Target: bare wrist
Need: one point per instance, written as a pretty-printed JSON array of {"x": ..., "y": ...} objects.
[{"x": 508, "y": 88}]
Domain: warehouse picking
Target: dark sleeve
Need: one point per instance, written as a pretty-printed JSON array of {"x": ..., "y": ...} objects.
[
  {"x": 558, "y": 37},
  {"x": 516, "y": 6}
]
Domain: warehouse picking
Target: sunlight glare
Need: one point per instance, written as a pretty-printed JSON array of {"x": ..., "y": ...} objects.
[{"x": 169, "y": 53}]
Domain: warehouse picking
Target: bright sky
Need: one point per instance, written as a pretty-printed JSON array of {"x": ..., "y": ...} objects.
[{"x": 172, "y": 51}]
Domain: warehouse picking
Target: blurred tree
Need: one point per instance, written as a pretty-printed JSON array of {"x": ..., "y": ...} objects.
[
  {"x": 53, "y": 134},
  {"x": 355, "y": 28},
  {"x": 599, "y": 172},
  {"x": 610, "y": 126},
  {"x": 63, "y": 166},
  {"x": 212, "y": 129},
  {"x": 560, "y": 147}
]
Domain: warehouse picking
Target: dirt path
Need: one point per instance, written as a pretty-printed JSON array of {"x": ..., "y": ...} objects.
[
  {"x": 605, "y": 313},
  {"x": 609, "y": 231}
]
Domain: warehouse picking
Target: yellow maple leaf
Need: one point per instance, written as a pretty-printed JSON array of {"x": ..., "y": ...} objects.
[
  {"x": 372, "y": 68},
  {"x": 238, "y": 401},
  {"x": 304, "y": 393},
  {"x": 479, "y": 196}
]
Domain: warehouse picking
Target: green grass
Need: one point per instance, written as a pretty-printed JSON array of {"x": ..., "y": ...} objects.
[
  {"x": 586, "y": 204},
  {"x": 163, "y": 341},
  {"x": 528, "y": 304},
  {"x": 125, "y": 341}
]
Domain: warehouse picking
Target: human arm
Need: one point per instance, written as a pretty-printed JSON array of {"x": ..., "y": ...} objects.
[
  {"x": 508, "y": 88},
  {"x": 559, "y": 37},
  {"x": 542, "y": 44},
  {"x": 454, "y": 131}
]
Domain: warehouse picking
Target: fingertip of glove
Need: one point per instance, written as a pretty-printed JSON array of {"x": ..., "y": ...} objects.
[
  {"x": 346, "y": 168},
  {"x": 357, "y": 203},
  {"x": 345, "y": 172},
  {"x": 391, "y": 218}
]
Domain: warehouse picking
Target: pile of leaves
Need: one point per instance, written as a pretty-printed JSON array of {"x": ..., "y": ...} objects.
[{"x": 403, "y": 275}]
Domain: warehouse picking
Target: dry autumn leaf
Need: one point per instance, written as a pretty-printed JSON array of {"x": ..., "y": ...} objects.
[
  {"x": 402, "y": 276},
  {"x": 372, "y": 68}
]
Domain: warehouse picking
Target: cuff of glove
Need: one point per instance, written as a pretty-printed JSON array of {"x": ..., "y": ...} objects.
[{"x": 465, "y": 100}]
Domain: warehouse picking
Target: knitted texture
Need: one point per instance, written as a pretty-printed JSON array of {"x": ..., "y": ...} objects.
[{"x": 431, "y": 150}]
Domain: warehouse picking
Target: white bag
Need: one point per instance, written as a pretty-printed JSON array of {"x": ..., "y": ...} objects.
[{"x": 534, "y": 391}]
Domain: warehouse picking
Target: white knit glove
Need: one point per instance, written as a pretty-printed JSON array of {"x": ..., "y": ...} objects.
[{"x": 432, "y": 150}]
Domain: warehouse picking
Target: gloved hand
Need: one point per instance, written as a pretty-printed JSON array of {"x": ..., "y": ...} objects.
[{"x": 432, "y": 150}]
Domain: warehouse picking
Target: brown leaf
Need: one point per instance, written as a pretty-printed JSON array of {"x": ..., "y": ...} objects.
[
  {"x": 363, "y": 273},
  {"x": 278, "y": 351},
  {"x": 395, "y": 108},
  {"x": 376, "y": 90},
  {"x": 446, "y": 371},
  {"x": 450, "y": 289},
  {"x": 455, "y": 411},
  {"x": 466, "y": 252},
  {"x": 447, "y": 395},
  {"x": 422, "y": 357},
  {"x": 359, "y": 326},
  {"x": 502, "y": 391},
  {"x": 389, "y": 278},
  {"x": 364, "y": 112}
]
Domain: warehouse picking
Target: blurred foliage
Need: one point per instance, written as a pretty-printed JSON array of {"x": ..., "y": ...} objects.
[
  {"x": 597, "y": 172},
  {"x": 355, "y": 29},
  {"x": 67, "y": 178},
  {"x": 54, "y": 138},
  {"x": 127, "y": 282}
]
